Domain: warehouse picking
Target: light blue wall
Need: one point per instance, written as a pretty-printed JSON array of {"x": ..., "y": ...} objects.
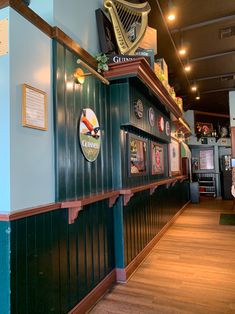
[
  {"x": 4, "y": 128},
  {"x": 43, "y": 8},
  {"x": 77, "y": 19},
  {"x": 32, "y": 151},
  {"x": 232, "y": 108}
]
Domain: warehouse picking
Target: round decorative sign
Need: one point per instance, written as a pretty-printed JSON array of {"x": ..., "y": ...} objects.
[
  {"x": 89, "y": 134},
  {"x": 168, "y": 128},
  {"x": 151, "y": 117},
  {"x": 139, "y": 109},
  {"x": 161, "y": 123}
]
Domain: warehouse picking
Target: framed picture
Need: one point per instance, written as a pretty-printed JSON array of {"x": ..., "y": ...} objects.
[
  {"x": 107, "y": 39},
  {"x": 206, "y": 159},
  {"x": 137, "y": 155},
  {"x": 204, "y": 129},
  {"x": 34, "y": 108},
  {"x": 174, "y": 157},
  {"x": 157, "y": 158}
]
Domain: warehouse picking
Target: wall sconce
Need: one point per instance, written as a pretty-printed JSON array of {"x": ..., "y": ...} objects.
[{"x": 80, "y": 76}]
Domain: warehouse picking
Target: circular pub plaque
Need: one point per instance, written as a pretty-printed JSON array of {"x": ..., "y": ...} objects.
[
  {"x": 168, "y": 128},
  {"x": 139, "y": 108},
  {"x": 89, "y": 134},
  {"x": 160, "y": 124},
  {"x": 151, "y": 115}
]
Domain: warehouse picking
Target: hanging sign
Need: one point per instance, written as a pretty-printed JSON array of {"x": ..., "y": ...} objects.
[
  {"x": 89, "y": 134},
  {"x": 3, "y": 37}
]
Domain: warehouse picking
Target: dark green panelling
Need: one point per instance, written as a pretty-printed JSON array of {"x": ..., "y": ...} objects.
[
  {"x": 75, "y": 176},
  {"x": 138, "y": 91},
  {"x": 5, "y": 267},
  {"x": 145, "y": 216},
  {"x": 54, "y": 265},
  {"x": 127, "y": 92}
]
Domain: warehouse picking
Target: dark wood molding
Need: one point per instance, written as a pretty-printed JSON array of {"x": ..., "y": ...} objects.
[
  {"x": 72, "y": 45},
  {"x": 136, "y": 262},
  {"x": 29, "y": 212},
  {"x": 4, "y": 3},
  {"x": 141, "y": 69},
  {"x": 128, "y": 193},
  {"x": 74, "y": 206},
  {"x": 52, "y": 32},
  {"x": 89, "y": 301},
  {"x": 20, "y": 7}
]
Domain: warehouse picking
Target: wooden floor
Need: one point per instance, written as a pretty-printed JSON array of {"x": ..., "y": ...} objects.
[{"x": 190, "y": 270}]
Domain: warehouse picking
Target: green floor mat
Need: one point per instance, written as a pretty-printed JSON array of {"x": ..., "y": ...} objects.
[{"x": 227, "y": 219}]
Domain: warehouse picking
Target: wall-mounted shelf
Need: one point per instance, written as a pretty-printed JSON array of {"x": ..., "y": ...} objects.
[
  {"x": 75, "y": 206},
  {"x": 128, "y": 193},
  {"x": 141, "y": 69}
]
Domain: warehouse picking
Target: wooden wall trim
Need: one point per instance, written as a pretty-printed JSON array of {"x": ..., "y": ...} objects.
[
  {"x": 52, "y": 32},
  {"x": 95, "y": 294},
  {"x": 29, "y": 212},
  {"x": 111, "y": 195},
  {"x": 31, "y": 16},
  {"x": 4, "y": 3},
  {"x": 136, "y": 262},
  {"x": 72, "y": 45}
]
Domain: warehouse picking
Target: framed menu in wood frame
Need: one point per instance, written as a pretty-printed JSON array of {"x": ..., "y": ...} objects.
[
  {"x": 157, "y": 158},
  {"x": 34, "y": 108},
  {"x": 174, "y": 157}
]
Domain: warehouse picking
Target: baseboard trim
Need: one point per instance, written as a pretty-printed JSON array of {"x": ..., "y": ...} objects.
[
  {"x": 124, "y": 274},
  {"x": 89, "y": 301}
]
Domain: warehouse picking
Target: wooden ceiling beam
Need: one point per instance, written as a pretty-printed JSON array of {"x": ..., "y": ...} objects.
[{"x": 203, "y": 24}]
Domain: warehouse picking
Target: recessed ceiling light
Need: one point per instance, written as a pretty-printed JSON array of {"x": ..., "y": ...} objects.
[
  {"x": 182, "y": 51},
  {"x": 193, "y": 88},
  {"x": 171, "y": 17},
  {"x": 187, "y": 68},
  {"x": 198, "y": 96}
]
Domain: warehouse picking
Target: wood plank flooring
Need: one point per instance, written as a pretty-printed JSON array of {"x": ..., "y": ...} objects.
[{"x": 190, "y": 270}]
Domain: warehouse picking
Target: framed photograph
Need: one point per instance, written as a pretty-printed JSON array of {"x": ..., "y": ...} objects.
[
  {"x": 34, "y": 108},
  {"x": 206, "y": 159},
  {"x": 157, "y": 158},
  {"x": 107, "y": 39},
  {"x": 174, "y": 157},
  {"x": 137, "y": 155}
]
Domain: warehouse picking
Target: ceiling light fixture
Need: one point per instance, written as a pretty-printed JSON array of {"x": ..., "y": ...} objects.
[
  {"x": 182, "y": 50},
  {"x": 187, "y": 67},
  {"x": 194, "y": 87},
  {"x": 198, "y": 96},
  {"x": 171, "y": 11}
]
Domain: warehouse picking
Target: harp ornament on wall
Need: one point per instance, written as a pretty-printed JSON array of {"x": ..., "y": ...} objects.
[{"x": 129, "y": 22}]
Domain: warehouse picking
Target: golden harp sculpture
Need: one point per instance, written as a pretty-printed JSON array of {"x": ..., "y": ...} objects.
[{"x": 130, "y": 21}]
